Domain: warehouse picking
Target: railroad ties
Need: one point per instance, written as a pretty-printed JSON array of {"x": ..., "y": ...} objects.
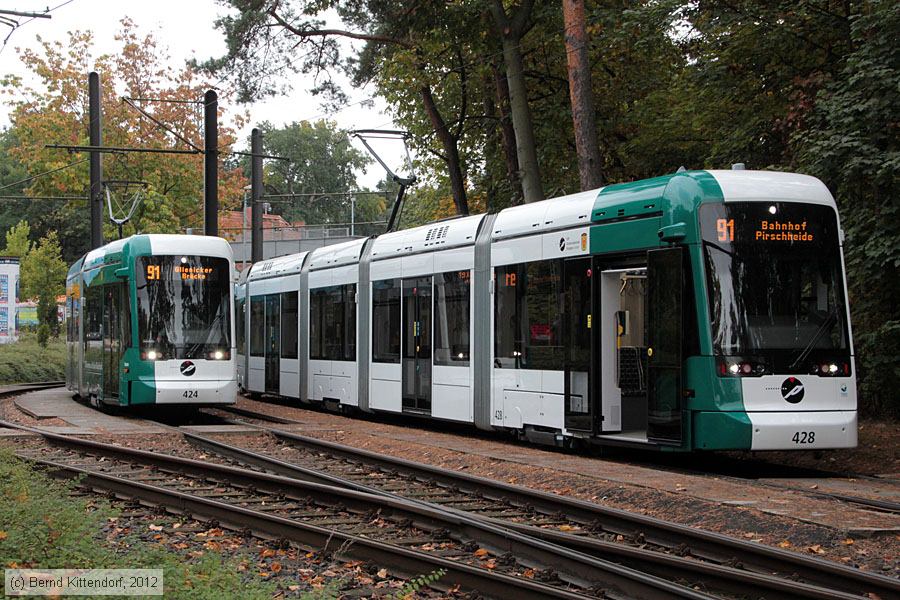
[{"x": 498, "y": 539}]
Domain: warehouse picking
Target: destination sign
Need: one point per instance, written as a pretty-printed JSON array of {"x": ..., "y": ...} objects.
[
  {"x": 783, "y": 231},
  {"x": 185, "y": 272},
  {"x": 776, "y": 223},
  {"x": 767, "y": 231}
]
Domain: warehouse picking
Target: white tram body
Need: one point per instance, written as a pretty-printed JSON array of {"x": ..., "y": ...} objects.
[{"x": 542, "y": 319}]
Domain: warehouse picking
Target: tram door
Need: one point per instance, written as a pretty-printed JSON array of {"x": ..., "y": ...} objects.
[
  {"x": 577, "y": 343},
  {"x": 273, "y": 343},
  {"x": 114, "y": 315},
  {"x": 416, "y": 345},
  {"x": 664, "y": 328}
]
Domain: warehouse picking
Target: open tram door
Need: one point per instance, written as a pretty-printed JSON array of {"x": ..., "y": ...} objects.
[
  {"x": 665, "y": 299},
  {"x": 577, "y": 309}
]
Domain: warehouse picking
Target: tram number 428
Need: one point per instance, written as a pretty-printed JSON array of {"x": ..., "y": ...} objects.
[
  {"x": 804, "y": 437},
  {"x": 190, "y": 394}
]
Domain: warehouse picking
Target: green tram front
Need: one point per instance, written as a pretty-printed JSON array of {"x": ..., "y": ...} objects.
[
  {"x": 731, "y": 330},
  {"x": 150, "y": 322}
]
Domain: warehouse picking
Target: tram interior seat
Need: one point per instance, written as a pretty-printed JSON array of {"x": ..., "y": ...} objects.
[{"x": 632, "y": 375}]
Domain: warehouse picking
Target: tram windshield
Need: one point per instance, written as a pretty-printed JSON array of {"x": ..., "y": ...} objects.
[
  {"x": 183, "y": 307},
  {"x": 775, "y": 284}
]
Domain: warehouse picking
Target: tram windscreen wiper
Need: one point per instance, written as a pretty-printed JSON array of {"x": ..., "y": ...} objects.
[
  {"x": 730, "y": 253},
  {"x": 826, "y": 326},
  {"x": 193, "y": 348}
]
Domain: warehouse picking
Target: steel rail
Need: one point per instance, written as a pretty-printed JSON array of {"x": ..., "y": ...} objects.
[
  {"x": 727, "y": 579},
  {"x": 573, "y": 567},
  {"x": 709, "y": 576},
  {"x": 708, "y": 545},
  {"x": 402, "y": 561}
]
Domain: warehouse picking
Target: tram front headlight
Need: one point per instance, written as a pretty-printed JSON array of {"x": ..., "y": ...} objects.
[
  {"x": 219, "y": 355},
  {"x": 152, "y": 355},
  {"x": 830, "y": 368},
  {"x": 736, "y": 366}
]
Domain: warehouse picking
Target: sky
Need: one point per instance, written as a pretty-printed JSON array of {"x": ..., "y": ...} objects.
[{"x": 185, "y": 29}]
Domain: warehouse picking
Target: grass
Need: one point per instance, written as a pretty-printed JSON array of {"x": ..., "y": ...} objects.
[
  {"x": 25, "y": 361},
  {"x": 43, "y": 526}
]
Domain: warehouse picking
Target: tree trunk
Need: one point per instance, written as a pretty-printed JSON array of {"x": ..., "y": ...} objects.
[
  {"x": 491, "y": 147},
  {"x": 451, "y": 149},
  {"x": 512, "y": 30},
  {"x": 581, "y": 95},
  {"x": 507, "y": 135}
]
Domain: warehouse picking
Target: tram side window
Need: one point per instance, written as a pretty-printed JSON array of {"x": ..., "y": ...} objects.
[
  {"x": 70, "y": 317},
  {"x": 124, "y": 308},
  {"x": 93, "y": 313},
  {"x": 527, "y": 316},
  {"x": 315, "y": 324},
  {"x": 386, "y": 321},
  {"x": 451, "y": 318},
  {"x": 257, "y": 326},
  {"x": 239, "y": 324},
  {"x": 507, "y": 342},
  {"x": 332, "y": 323},
  {"x": 349, "y": 320},
  {"x": 289, "y": 325}
]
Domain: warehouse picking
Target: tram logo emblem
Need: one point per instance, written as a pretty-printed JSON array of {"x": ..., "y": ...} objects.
[
  {"x": 188, "y": 368},
  {"x": 562, "y": 244},
  {"x": 792, "y": 390}
]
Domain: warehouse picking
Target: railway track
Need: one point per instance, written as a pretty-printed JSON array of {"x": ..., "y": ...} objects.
[
  {"x": 582, "y": 549},
  {"x": 590, "y": 528},
  {"x": 722, "y": 468},
  {"x": 408, "y": 537}
]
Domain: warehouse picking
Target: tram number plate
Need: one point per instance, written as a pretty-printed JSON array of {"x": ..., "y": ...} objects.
[
  {"x": 190, "y": 394},
  {"x": 804, "y": 437}
]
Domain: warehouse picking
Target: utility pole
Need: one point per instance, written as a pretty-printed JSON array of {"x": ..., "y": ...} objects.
[
  {"x": 352, "y": 215},
  {"x": 211, "y": 163},
  {"x": 95, "y": 133},
  {"x": 256, "y": 192}
]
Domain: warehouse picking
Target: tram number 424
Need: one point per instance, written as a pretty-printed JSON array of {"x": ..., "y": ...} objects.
[
  {"x": 804, "y": 437},
  {"x": 190, "y": 394}
]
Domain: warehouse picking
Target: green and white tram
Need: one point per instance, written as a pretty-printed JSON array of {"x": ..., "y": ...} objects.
[
  {"x": 149, "y": 321},
  {"x": 699, "y": 310}
]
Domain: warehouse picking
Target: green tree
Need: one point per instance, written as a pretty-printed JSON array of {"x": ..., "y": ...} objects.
[
  {"x": 18, "y": 243},
  {"x": 808, "y": 87},
  {"x": 55, "y": 111},
  {"x": 321, "y": 161},
  {"x": 43, "y": 276},
  {"x": 850, "y": 141},
  {"x": 266, "y": 38}
]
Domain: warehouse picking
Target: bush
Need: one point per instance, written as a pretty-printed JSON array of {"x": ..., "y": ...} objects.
[
  {"x": 26, "y": 361},
  {"x": 43, "y": 335}
]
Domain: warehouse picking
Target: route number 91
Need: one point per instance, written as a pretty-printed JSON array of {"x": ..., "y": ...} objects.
[{"x": 804, "y": 437}]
